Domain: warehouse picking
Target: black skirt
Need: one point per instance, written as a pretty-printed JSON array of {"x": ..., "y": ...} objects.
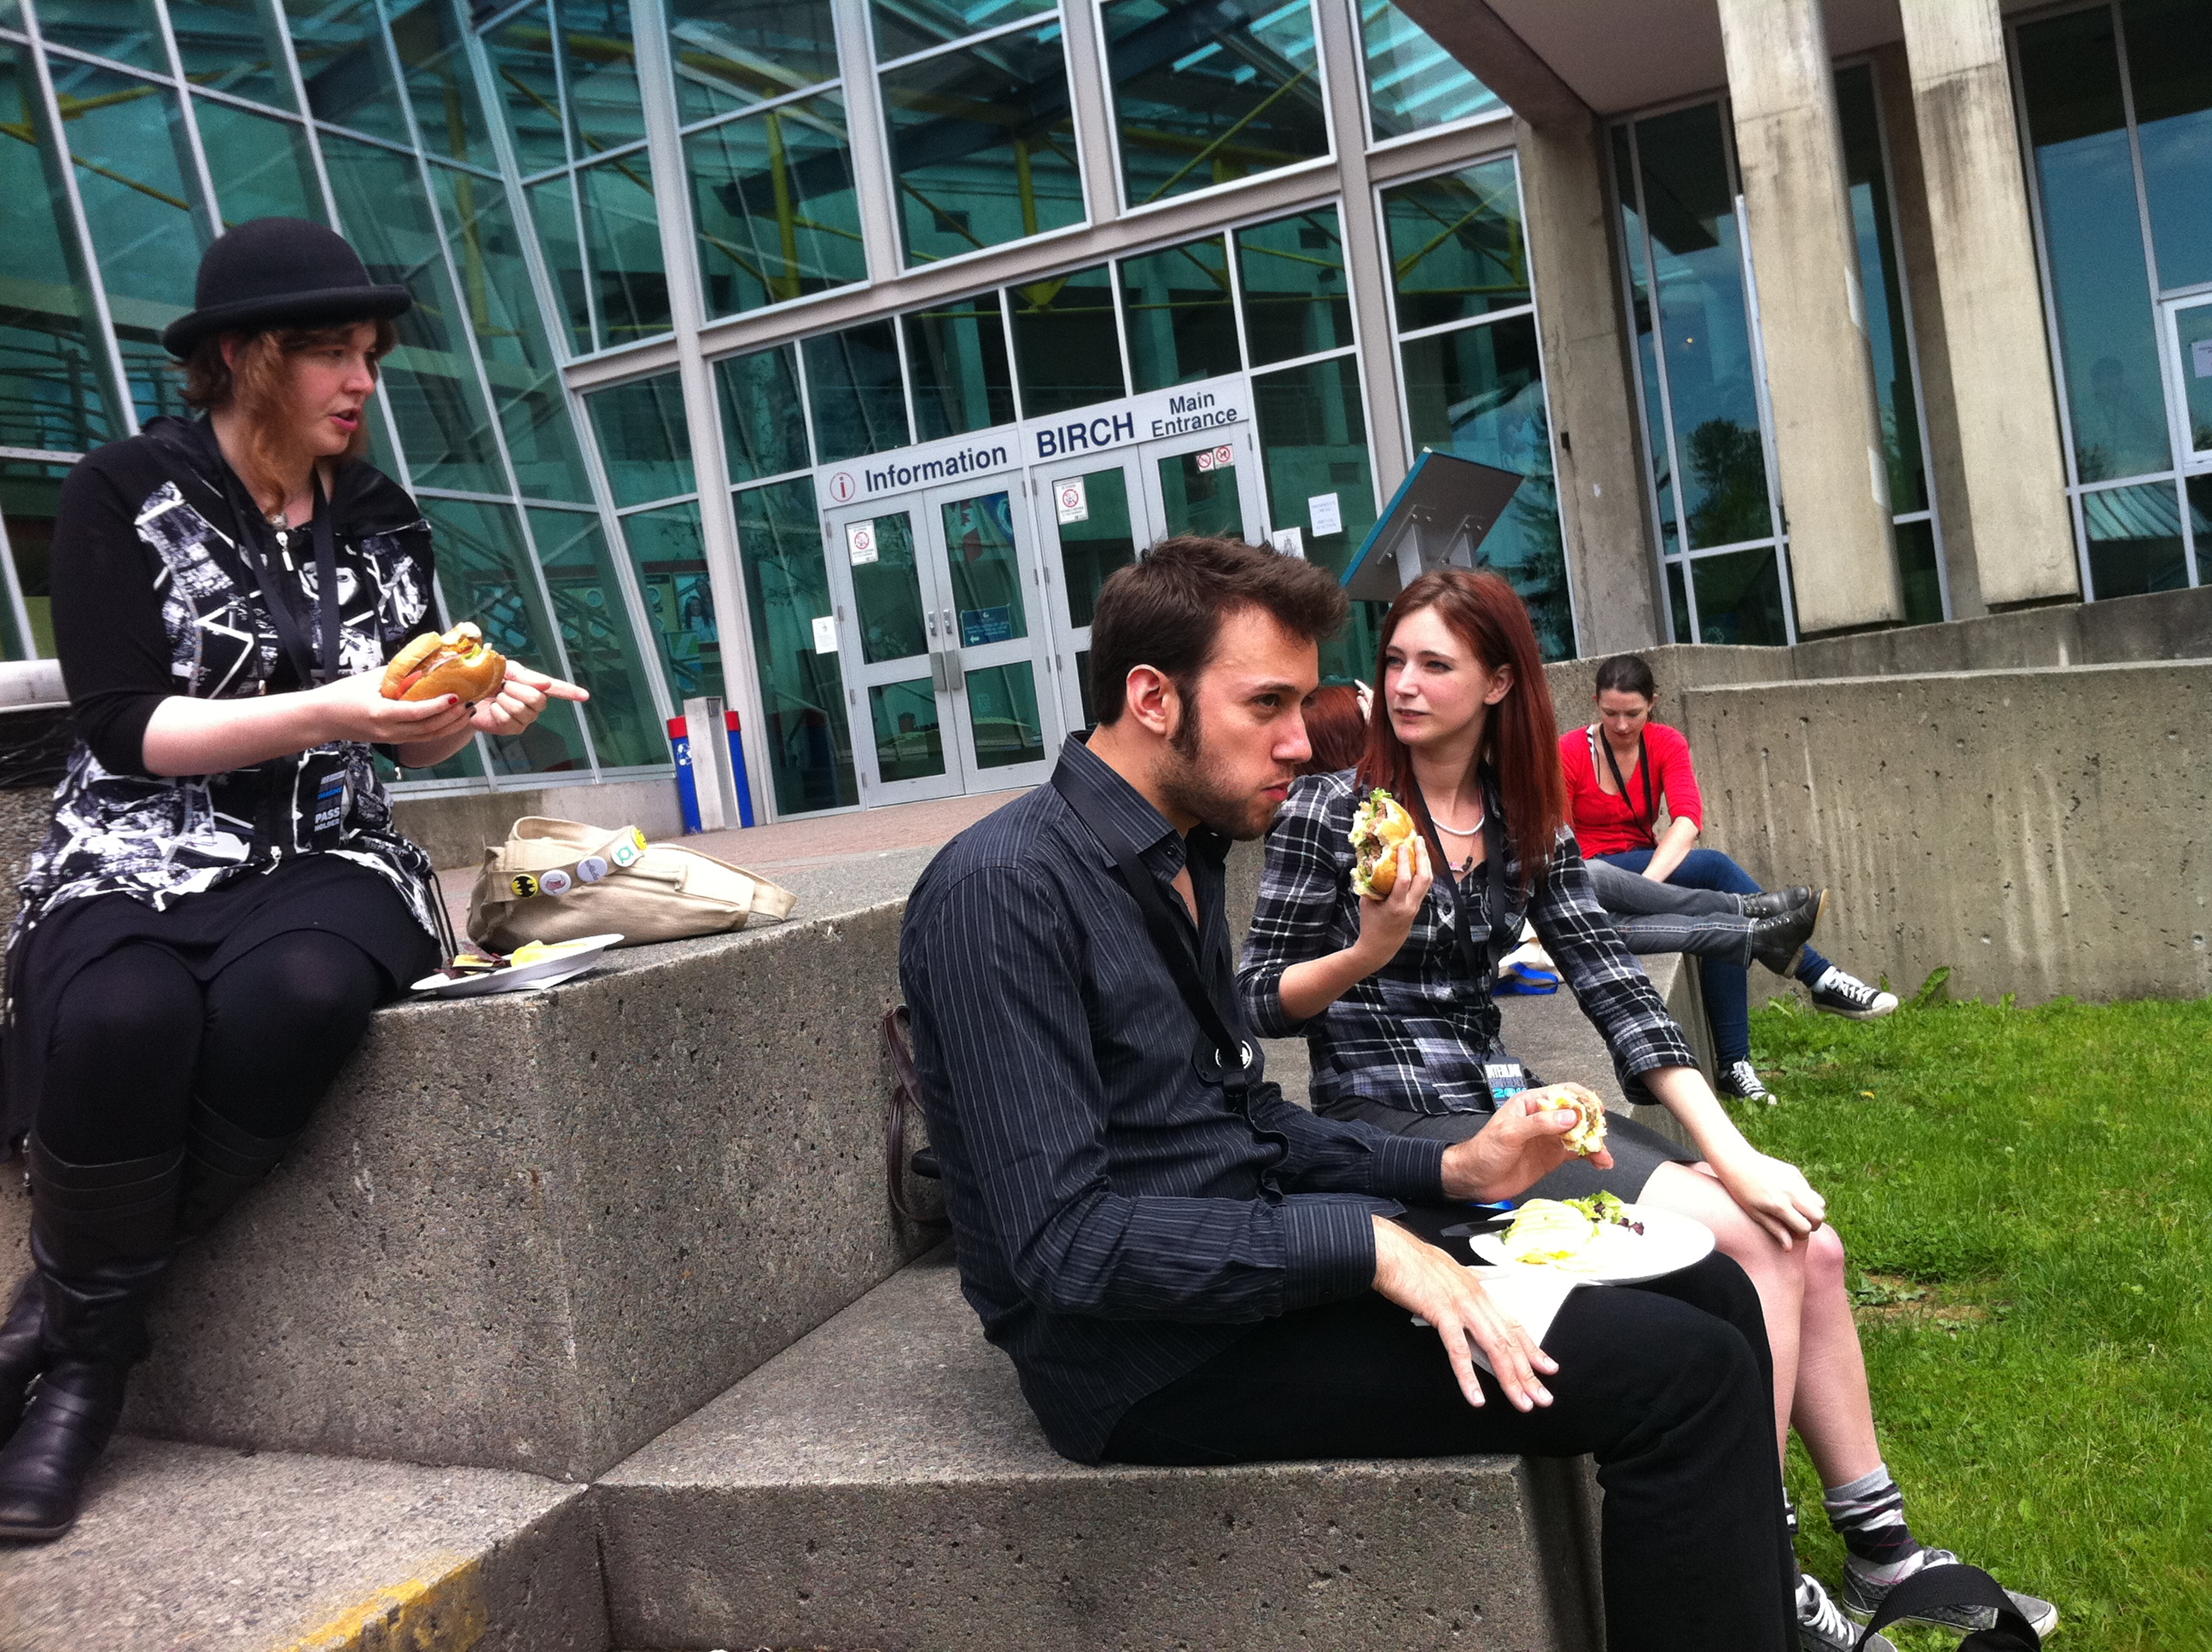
[{"x": 205, "y": 932}]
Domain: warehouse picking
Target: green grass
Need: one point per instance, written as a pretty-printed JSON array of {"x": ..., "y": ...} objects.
[{"x": 2027, "y": 1198}]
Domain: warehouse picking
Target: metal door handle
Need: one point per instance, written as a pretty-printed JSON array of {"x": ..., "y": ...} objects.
[{"x": 956, "y": 674}]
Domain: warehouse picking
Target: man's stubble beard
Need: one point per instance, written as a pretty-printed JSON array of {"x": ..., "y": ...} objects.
[{"x": 1186, "y": 780}]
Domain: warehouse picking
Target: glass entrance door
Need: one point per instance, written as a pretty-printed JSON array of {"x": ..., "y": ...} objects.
[
  {"x": 945, "y": 659},
  {"x": 1103, "y": 512}
]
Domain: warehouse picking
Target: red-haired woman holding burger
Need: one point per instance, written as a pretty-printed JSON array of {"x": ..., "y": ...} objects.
[
  {"x": 222, "y": 899},
  {"x": 1393, "y": 995}
]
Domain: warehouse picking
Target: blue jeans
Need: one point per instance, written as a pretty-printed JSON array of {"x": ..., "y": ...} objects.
[{"x": 1726, "y": 985}]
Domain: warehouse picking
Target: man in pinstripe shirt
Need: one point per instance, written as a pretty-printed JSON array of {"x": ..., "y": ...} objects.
[{"x": 1187, "y": 1272}]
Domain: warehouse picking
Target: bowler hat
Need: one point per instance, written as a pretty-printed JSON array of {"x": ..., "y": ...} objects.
[{"x": 277, "y": 272}]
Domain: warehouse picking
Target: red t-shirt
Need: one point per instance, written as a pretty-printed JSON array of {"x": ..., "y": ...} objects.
[{"x": 1607, "y": 822}]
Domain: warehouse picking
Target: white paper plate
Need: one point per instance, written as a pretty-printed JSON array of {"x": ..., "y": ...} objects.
[
  {"x": 1668, "y": 1244},
  {"x": 563, "y": 961}
]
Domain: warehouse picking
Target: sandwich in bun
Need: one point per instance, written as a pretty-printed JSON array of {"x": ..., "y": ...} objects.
[
  {"x": 1587, "y": 1135},
  {"x": 458, "y": 662},
  {"x": 1377, "y": 829}
]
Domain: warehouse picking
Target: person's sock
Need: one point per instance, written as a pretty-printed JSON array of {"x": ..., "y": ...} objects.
[
  {"x": 1868, "y": 1515},
  {"x": 1814, "y": 973}
]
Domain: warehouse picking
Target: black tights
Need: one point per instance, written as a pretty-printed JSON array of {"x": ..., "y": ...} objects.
[{"x": 137, "y": 1036}]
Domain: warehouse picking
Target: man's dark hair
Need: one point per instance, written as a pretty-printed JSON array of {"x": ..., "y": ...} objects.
[{"x": 1165, "y": 610}]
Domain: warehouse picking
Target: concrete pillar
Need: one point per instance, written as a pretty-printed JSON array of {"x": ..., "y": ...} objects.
[
  {"x": 2005, "y": 412},
  {"x": 1820, "y": 374},
  {"x": 1573, "y": 261}
]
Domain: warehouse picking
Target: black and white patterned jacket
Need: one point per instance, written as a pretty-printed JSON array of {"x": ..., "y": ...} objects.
[
  {"x": 1414, "y": 1034},
  {"x": 152, "y": 579}
]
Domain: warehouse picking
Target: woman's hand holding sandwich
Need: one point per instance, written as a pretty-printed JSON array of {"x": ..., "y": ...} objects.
[{"x": 1385, "y": 921}]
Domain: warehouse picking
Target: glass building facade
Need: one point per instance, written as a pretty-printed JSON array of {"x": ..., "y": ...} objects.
[{"x": 826, "y": 357}]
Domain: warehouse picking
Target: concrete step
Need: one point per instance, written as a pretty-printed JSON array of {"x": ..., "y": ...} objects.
[
  {"x": 191, "y": 1548},
  {"x": 882, "y": 1484}
]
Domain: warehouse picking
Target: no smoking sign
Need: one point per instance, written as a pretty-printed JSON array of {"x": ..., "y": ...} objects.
[{"x": 1221, "y": 459}]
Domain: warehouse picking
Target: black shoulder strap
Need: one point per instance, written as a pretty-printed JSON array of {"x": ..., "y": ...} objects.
[
  {"x": 1644, "y": 767},
  {"x": 1958, "y": 1585},
  {"x": 1493, "y": 856},
  {"x": 1234, "y": 1055},
  {"x": 266, "y": 569}
]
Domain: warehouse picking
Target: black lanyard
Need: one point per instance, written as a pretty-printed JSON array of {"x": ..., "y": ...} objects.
[
  {"x": 1651, "y": 816},
  {"x": 1227, "y": 1058},
  {"x": 271, "y": 573},
  {"x": 1501, "y": 935}
]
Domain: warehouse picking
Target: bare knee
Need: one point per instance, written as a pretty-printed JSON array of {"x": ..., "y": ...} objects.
[
  {"x": 1827, "y": 1265},
  {"x": 1736, "y": 1234}
]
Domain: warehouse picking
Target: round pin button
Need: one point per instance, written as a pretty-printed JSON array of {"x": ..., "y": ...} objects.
[
  {"x": 556, "y": 881},
  {"x": 590, "y": 869}
]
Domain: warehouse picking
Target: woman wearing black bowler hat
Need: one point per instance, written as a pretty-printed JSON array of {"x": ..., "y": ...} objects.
[{"x": 222, "y": 898}]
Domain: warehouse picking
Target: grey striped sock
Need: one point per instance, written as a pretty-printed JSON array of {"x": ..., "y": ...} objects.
[{"x": 1868, "y": 1513}]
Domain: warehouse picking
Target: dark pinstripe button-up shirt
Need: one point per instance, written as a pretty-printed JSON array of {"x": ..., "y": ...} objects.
[{"x": 1117, "y": 1219}]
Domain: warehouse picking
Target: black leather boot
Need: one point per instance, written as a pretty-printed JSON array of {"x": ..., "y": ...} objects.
[
  {"x": 1776, "y": 901},
  {"x": 102, "y": 1236},
  {"x": 1779, "y": 943},
  {"x": 21, "y": 1354},
  {"x": 222, "y": 1164}
]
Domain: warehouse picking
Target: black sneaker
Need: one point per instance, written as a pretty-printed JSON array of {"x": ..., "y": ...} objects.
[
  {"x": 1739, "y": 1082},
  {"x": 1847, "y": 995},
  {"x": 1821, "y": 1628},
  {"x": 1863, "y": 1598},
  {"x": 1776, "y": 901}
]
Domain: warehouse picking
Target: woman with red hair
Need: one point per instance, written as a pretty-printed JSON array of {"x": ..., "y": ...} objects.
[{"x": 1393, "y": 995}]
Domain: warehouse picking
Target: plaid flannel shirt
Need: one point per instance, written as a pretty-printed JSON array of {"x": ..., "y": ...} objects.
[{"x": 1416, "y": 1033}]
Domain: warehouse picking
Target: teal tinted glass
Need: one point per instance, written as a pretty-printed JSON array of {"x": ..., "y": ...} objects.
[
  {"x": 955, "y": 354},
  {"x": 1457, "y": 249},
  {"x": 1678, "y": 604},
  {"x": 437, "y": 402},
  {"x": 2193, "y": 338},
  {"x": 1209, "y": 91},
  {"x": 1413, "y": 84},
  {"x": 772, "y": 197},
  {"x": 1198, "y": 496},
  {"x": 1703, "y": 325},
  {"x": 50, "y": 394},
  {"x": 887, "y": 602},
  {"x": 1295, "y": 302},
  {"x": 229, "y": 45},
  {"x": 1479, "y": 392},
  {"x": 1094, "y": 547},
  {"x": 986, "y": 569},
  {"x": 810, "y": 746},
  {"x": 668, "y": 557},
  {"x": 125, "y": 30},
  {"x": 902, "y": 28},
  {"x": 127, "y": 139},
  {"x": 1739, "y": 598},
  {"x": 2170, "y": 64},
  {"x": 762, "y": 432},
  {"x": 433, "y": 59},
  {"x": 553, "y": 210},
  {"x": 852, "y": 385},
  {"x": 1881, "y": 274},
  {"x": 601, "y": 643},
  {"x": 1313, "y": 440},
  {"x": 600, "y": 58},
  {"x": 260, "y": 165},
  {"x": 731, "y": 54},
  {"x": 510, "y": 341},
  {"x": 523, "y": 69},
  {"x": 1002, "y": 715},
  {"x": 1065, "y": 346},
  {"x": 2135, "y": 540},
  {"x": 484, "y": 570},
  {"x": 30, "y": 496},
  {"x": 621, "y": 241},
  {"x": 1917, "y": 572},
  {"x": 1647, "y": 351},
  {"x": 644, "y": 440},
  {"x": 965, "y": 125},
  {"x": 345, "y": 66},
  {"x": 1181, "y": 315},
  {"x": 2093, "y": 237},
  {"x": 909, "y": 734}
]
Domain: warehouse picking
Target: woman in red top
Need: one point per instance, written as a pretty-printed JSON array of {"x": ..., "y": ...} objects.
[{"x": 1621, "y": 771}]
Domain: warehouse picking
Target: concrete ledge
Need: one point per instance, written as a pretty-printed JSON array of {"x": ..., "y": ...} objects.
[
  {"x": 531, "y": 1231},
  {"x": 882, "y": 1484},
  {"x": 186, "y": 1549}
]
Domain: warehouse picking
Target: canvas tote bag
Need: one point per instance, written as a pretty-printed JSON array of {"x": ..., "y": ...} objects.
[{"x": 557, "y": 880}]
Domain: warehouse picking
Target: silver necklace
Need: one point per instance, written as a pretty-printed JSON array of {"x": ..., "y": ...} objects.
[{"x": 1453, "y": 830}]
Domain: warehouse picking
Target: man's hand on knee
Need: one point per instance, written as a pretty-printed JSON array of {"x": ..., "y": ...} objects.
[
  {"x": 1420, "y": 1277},
  {"x": 1524, "y": 1142}
]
